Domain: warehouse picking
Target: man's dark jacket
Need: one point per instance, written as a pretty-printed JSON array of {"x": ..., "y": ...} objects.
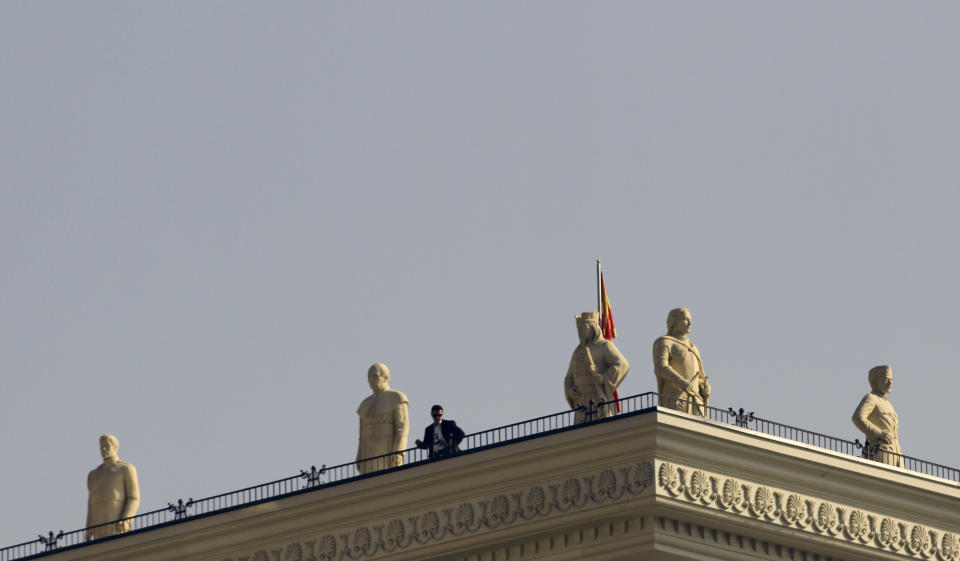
[{"x": 452, "y": 435}]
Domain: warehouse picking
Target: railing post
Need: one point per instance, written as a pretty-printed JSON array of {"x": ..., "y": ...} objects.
[
  {"x": 592, "y": 410},
  {"x": 51, "y": 542},
  {"x": 313, "y": 477},
  {"x": 180, "y": 509},
  {"x": 741, "y": 418}
]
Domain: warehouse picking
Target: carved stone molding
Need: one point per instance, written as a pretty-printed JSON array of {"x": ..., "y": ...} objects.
[
  {"x": 465, "y": 518},
  {"x": 813, "y": 515},
  {"x": 735, "y": 543}
]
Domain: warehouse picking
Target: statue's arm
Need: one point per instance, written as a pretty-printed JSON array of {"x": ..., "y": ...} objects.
[
  {"x": 662, "y": 368},
  {"x": 360, "y": 439},
  {"x": 89, "y": 500},
  {"x": 569, "y": 386},
  {"x": 704, "y": 380},
  {"x": 617, "y": 368},
  {"x": 861, "y": 418},
  {"x": 132, "y": 488},
  {"x": 401, "y": 427}
]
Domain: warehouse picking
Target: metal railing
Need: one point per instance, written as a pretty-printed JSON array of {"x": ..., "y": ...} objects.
[{"x": 308, "y": 481}]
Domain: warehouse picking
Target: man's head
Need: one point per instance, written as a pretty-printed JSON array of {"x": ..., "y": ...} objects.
[
  {"x": 379, "y": 377},
  {"x": 881, "y": 379},
  {"x": 588, "y": 327},
  {"x": 109, "y": 446},
  {"x": 437, "y": 413},
  {"x": 679, "y": 322}
]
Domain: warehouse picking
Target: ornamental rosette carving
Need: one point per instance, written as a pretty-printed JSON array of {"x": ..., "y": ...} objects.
[
  {"x": 950, "y": 547},
  {"x": 426, "y": 527},
  {"x": 294, "y": 552},
  {"x": 327, "y": 548},
  {"x": 919, "y": 542},
  {"x": 431, "y": 523},
  {"x": 795, "y": 510},
  {"x": 731, "y": 495},
  {"x": 670, "y": 479},
  {"x": 394, "y": 534},
  {"x": 496, "y": 511},
  {"x": 643, "y": 477},
  {"x": 764, "y": 504},
  {"x": 570, "y": 492},
  {"x": 417, "y": 533},
  {"x": 464, "y": 517},
  {"x": 700, "y": 487},
  {"x": 536, "y": 501},
  {"x": 827, "y": 520},
  {"x": 362, "y": 543},
  {"x": 500, "y": 508},
  {"x": 607, "y": 485},
  {"x": 858, "y": 526},
  {"x": 890, "y": 534}
]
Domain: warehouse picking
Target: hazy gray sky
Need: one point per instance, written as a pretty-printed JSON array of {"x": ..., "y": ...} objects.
[{"x": 216, "y": 215}]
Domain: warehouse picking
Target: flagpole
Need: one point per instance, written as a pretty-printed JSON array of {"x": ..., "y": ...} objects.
[{"x": 599, "y": 303}]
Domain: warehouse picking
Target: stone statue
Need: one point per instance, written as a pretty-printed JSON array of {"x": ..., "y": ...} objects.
[
  {"x": 681, "y": 383},
  {"x": 878, "y": 421},
  {"x": 596, "y": 370},
  {"x": 384, "y": 423},
  {"x": 114, "y": 492}
]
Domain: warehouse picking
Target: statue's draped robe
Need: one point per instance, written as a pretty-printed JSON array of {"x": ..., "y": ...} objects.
[
  {"x": 383, "y": 429},
  {"x": 677, "y": 366},
  {"x": 875, "y": 416},
  {"x": 579, "y": 386}
]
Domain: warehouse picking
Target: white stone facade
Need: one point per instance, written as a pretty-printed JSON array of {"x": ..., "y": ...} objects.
[{"x": 661, "y": 486}]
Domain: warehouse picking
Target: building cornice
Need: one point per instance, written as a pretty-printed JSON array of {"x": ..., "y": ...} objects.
[
  {"x": 660, "y": 482},
  {"x": 817, "y": 516}
]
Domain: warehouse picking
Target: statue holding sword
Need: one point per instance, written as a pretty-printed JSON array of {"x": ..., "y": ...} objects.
[{"x": 681, "y": 383}]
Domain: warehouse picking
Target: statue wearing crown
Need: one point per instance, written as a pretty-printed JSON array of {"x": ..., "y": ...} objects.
[{"x": 596, "y": 370}]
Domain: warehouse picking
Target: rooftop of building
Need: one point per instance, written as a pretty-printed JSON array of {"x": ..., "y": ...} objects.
[{"x": 739, "y": 427}]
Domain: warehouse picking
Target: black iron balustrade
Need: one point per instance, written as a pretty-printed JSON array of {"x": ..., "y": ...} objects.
[
  {"x": 313, "y": 476},
  {"x": 591, "y": 410},
  {"x": 51, "y": 541},
  {"x": 179, "y": 510},
  {"x": 532, "y": 428},
  {"x": 741, "y": 419}
]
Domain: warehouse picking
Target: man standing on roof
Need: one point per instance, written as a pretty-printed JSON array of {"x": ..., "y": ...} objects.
[{"x": 442, "y": 437}]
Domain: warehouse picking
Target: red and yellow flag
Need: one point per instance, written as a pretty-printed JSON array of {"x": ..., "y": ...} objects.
[
  {"x": 606, "y": 323},
  {"x": 606, "y": 314}
]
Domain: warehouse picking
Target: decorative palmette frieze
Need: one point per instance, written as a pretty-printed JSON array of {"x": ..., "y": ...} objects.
[
  {"x": 810, "y": 514},
  {"x": 470, "y": 517}
]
